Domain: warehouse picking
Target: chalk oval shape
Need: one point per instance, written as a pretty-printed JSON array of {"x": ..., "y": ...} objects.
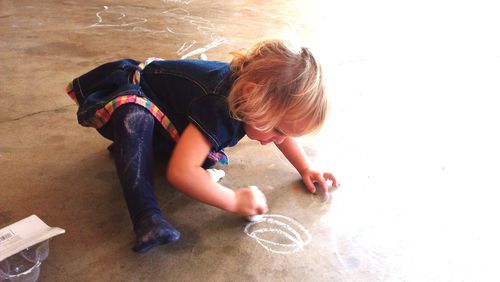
[{"x": 278, "y": 234}]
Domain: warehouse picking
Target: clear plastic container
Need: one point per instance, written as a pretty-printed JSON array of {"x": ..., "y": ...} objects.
[{"x": 24, "y": 266}]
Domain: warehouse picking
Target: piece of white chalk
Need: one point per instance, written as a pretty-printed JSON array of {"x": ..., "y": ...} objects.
[
  {"x": 203, "y": 57},
  {"x": 255, "y": 218},
  {"x": 216, "y": 174}
]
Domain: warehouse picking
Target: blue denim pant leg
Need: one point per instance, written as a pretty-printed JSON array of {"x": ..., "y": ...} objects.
[{"x": 131, "y": 128}]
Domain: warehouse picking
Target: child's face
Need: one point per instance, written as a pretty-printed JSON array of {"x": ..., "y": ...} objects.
[
  {"x": 277, "y": 135},
  {"x": 264, "y": 137}
]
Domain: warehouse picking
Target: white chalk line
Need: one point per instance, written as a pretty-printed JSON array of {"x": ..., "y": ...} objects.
[
  {"x": 122, "y": 16},
  {"x": 297, "y": 242},
  {"x": 211, "y": 45},
  {"x": 202, "y": 25},
  {"x": 271, "y": 230},
  {"x": 152, "y": 31},
  {"x": 178, "y": 1},
  {"x": 184, "y": 47}
]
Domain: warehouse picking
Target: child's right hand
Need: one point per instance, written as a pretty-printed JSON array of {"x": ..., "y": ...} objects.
[{"x": 250, "y": 201}]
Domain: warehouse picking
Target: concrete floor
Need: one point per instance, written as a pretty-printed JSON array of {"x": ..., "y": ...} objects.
[{"x": 413, "y": 139}]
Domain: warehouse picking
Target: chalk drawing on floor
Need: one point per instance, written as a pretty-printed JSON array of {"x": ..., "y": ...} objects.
[
  {"x": 185, "y": 46},
  {"x": 185, "y": 2},
  {"x": 202, "y": 25},
  {"x": 119, "y": 18},
  {"x": 115, "y": 17},
  {"x": 211, "y": 45},
  {"x": 279, "y": 234}
]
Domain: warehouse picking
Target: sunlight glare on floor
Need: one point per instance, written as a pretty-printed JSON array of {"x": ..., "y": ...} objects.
[{"x": 412, "y": 137}]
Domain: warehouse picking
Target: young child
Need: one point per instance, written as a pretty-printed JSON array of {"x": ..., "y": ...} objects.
[{"x": 190, "y": 110}]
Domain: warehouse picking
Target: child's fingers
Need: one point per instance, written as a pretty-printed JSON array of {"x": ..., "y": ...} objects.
[
  {"x": 322, "y": 183},
  {"x": 262, "y": 204},
  {"x": 309, "y": 184},
  {"x": 262, "y": 210},
  {"x": 260, "y": 199},
  {"x": 330, "y": 176}
]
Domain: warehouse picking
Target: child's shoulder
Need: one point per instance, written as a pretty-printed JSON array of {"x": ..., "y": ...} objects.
[
  {"x": 206, "y": 73},
  {"x": 188, "y": 66}
]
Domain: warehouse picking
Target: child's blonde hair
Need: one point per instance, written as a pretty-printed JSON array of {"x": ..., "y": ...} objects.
[{"x": 289, "y": 87}]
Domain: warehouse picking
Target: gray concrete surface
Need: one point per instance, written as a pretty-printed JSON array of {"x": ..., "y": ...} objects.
[{"x": 413, "y": 139}]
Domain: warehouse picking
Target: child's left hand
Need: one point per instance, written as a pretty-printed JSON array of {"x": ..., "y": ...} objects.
[{"x": 311, "y": 176}]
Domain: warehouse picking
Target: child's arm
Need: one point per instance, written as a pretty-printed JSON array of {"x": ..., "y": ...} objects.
[
  {"x": 186, "y": 174},
  {"x": 294, "y": 152}
]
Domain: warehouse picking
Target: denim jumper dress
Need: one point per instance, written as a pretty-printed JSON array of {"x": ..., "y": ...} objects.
[{"x": 175, "y": 92}]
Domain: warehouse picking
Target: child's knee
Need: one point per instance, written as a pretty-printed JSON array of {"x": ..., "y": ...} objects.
[
  {"x": 132, "y": 117},
  {"x": 138, "y": 116}
]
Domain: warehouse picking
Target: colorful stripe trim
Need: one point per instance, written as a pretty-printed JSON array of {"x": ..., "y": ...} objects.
[
  {"x": 218, "y": 157},
  {"x": 102, "y": 116},
  {"x": 137, "y": 75},
  {"x": 71, "y": 93}
]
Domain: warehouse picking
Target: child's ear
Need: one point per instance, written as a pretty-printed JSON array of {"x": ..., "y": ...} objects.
[{"x": 248, "y": 88}]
